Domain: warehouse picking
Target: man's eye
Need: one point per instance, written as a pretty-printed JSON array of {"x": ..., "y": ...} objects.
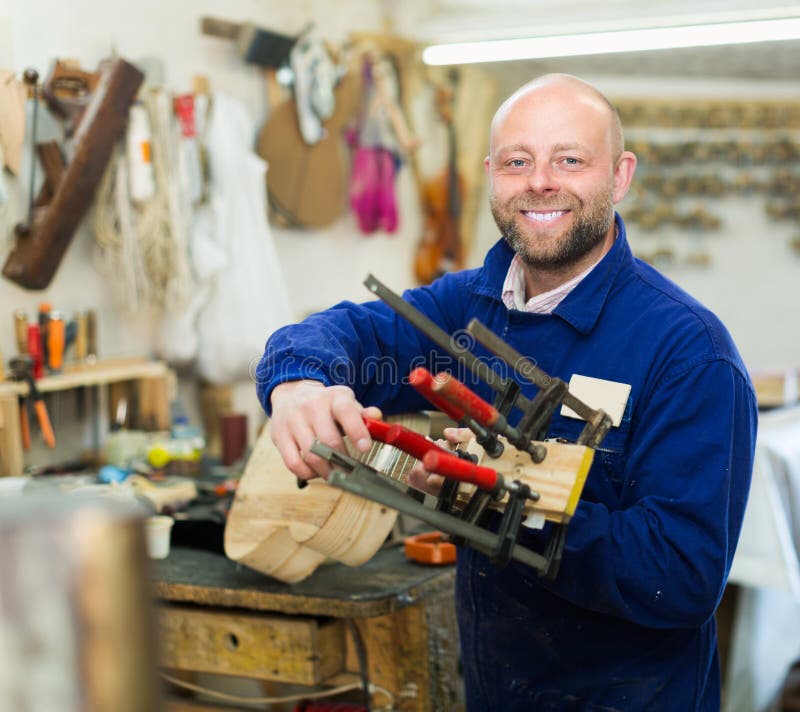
[
  {"x": 570, "y": 161},
  {"x": 516, "y": 163}
]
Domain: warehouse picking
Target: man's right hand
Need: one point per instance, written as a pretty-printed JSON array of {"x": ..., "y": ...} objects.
[{"x": 304, "y": 411}]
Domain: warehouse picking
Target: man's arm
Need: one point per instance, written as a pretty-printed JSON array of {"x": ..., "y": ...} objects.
[{"x": 315, "y": 376}]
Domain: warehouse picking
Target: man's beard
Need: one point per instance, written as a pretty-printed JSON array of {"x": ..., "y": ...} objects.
[{"x": 593, "y": 220}]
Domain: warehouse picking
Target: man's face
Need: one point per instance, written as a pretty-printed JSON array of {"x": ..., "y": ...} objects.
[{"x": 552, "y": 177}]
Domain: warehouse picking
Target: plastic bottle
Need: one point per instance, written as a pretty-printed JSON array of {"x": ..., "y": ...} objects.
[{"x": 141, "y": 180}]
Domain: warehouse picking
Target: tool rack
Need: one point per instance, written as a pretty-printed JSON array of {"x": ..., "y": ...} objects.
[{"x": 152, "y": 380}]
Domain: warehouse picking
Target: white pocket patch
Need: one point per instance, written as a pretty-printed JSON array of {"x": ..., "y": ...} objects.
[{"x": 611, "y": 396}]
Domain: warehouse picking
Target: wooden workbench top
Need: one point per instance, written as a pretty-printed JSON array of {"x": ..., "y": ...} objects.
[{"x": 381, "y": 586}]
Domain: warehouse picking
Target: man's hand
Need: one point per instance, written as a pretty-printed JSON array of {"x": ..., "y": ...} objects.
[
  {"x": 304, "y": 411},
  {"x": 419, "y": 478}
]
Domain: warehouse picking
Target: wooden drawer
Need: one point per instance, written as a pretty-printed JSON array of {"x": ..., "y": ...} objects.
[{"x": 304, "y": 651}]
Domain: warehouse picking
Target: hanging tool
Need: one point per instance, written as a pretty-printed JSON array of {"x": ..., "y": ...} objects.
[
  {"x": 21, "y": 331},
  {"x": 56, "y": 341},
  {"x": 41, "y": 242},
  {"x": 31, "y": 78},
  {"x": 256, "y": 45},
  {"x": 22, "y": 370}
]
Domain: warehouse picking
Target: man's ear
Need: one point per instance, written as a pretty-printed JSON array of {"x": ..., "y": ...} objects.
[
  {"x": 486, "y": 163},
  {"x": 623, "y": 175}
]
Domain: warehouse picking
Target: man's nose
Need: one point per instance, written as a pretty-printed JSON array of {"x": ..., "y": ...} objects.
[{"x": 542, "y": 179}]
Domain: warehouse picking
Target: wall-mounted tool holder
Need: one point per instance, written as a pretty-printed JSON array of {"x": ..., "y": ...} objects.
[{"x": 69, "y": 186}]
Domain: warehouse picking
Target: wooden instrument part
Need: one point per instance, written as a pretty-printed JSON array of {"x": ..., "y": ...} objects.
[
  {"x": 559, "y": 479},
  {"x": 307, "y": 185},
  {"x": 439, "y": 249},
  {"x": 286, "y": 532}
]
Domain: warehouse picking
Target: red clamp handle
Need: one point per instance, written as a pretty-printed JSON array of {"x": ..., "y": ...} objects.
[
  {"x": 445, "y": 386},
  {"x": 378, "y": 429},
  {"x": 413, "y": 443},
  {"x": 402, "y": 438},
  {"x": 443, "y": 463},
  {"x": 422, "y": 380}
]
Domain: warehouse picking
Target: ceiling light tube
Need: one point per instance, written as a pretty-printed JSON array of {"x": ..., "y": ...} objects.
[{"x": 637, "y": 40}]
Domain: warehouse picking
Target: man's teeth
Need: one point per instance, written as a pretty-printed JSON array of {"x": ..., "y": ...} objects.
[{"x": 544, "y": 217}]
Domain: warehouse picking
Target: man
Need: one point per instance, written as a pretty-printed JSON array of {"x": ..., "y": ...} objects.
[{"x": 628, "y": 622}]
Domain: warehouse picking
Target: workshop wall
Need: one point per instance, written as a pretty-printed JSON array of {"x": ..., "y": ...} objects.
[
  {"x": 170, "y": 33},
  {"x": 750, "y": 278},
  {"x": 748, "y": 282},
  {"x": 320, "y": 267}
]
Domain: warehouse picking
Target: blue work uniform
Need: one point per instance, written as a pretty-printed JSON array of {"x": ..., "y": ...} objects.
[{"x": 628, "y": 623}]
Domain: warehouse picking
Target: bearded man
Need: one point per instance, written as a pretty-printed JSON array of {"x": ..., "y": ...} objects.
[{"x": 628, "y": 623}]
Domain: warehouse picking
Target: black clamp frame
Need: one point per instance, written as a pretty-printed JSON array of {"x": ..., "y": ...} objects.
[
  {"x": 465, "y": 528},
  {"x": 502, "y": 547}
]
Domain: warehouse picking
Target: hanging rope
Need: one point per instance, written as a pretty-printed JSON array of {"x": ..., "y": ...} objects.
[{"x": 145, "y": 248}]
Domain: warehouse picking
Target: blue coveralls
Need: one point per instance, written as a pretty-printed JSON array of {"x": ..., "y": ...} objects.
[{"x": 628, "y": 623}]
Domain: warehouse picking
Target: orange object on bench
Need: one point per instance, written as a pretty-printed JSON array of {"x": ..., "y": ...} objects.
[{"x": 430, "y": 548}]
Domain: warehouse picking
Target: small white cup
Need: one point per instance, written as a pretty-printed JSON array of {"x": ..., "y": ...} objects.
[{"x": 157, "y": 531}]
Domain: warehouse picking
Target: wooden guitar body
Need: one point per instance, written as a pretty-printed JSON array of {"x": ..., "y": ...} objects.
[
  {"x": 286, "y": 532},
  {"x": 307, "y": 185}
]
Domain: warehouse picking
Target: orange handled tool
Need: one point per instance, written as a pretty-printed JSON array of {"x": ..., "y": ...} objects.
[
  {"x": 44, "y": 422},
  {"x": 24, "y": 425},
  {"x": 21, "y": 367},
  {"x": 55, "y": 341}
]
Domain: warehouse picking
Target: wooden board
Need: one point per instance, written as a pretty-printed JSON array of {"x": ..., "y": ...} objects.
[
  {"x": 303, "y": 651},
  {"x": 10, "y": 443},
  {"x": 102, "y": 372},
  {"x": 286, "y": 532},
  {"x": 559, "y": 479}
]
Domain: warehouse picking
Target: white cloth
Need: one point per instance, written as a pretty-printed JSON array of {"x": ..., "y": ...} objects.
[
  {"x": 248, "y": 296},
  {"x": 766, "y": 627}
]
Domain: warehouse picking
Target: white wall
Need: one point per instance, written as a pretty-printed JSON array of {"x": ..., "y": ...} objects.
[
  {"x": 170, "y": 32},
  {"x": 321, "y": 268},
  {"x": 750, "y": 284}
]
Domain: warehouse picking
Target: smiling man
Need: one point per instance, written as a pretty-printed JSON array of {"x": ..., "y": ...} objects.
[{"x": 628, "y": 623}]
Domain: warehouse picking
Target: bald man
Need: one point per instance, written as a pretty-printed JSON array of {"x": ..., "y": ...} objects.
[{"x": 628, "y": 623}]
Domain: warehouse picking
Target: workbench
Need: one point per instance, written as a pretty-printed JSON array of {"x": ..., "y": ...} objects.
[{"x": 217, "y": 616}]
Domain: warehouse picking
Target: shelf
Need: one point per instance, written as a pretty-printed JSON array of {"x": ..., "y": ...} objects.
[
  {"x": 99, "y": 373},
  {"x": 151, "y": 381}
]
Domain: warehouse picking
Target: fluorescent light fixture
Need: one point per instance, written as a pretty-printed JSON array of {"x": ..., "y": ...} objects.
[{"x": 628, "y": 40}]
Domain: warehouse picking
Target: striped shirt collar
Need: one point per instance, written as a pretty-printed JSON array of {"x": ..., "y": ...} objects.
[{"x": 514, "y": 290}]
